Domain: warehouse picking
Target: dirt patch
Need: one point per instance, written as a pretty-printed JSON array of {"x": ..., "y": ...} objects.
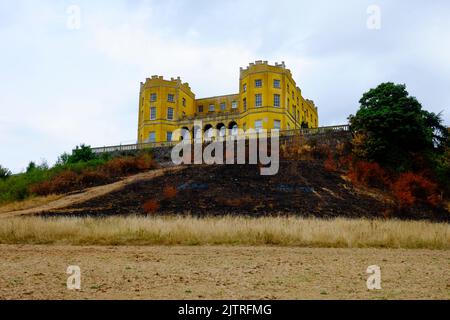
[
  {"x": 221, "y": 272},
  {"x": 300, "y": 188}
]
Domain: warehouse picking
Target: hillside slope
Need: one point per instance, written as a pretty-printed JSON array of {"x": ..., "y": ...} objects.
[{"x": 301, "y": 188}]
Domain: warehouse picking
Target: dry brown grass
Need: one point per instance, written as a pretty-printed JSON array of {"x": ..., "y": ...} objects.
[
  {"x": 337, "y": 233},
  {"x": 28, "y": 203}
]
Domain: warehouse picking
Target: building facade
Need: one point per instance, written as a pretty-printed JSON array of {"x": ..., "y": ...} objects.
[{"x": 268, "y": 98}]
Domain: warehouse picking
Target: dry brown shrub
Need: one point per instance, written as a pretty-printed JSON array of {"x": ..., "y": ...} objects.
[
  {"x": 170, "y": 192},
  {"x": 151, "y": 206}
]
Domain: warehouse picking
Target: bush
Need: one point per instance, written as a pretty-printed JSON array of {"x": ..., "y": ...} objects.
[
  {"x": 81, "y": 153},
  {"x": 369, "y": 174},
  {"x": 80, "y": 175},
  {"x": 411, "y": 188},
  {"x": 151, "y": 206},
  {"x": 170, "y": 192},
  {"x": 329, "y": 164},
  {"x": 4, "y": 173},
  {"x": 64, "y": 182}
]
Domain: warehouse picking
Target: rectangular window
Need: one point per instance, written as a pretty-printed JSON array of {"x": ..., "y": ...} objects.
[
  {"x": 276, "y": 83},
  {"x": 258, "y": 125},
  {"x": 211, "y": 108},
  {"x": 293, "y": 97},
  {"x": 152, "y": 136},
  {"x": 258, "y": 100},
  {"x": 277, "y": 124},
  {"x": 276, "y": 100},
  {"x": 244, "y": 87},
  {"x": 200, "y": 108},
  {"x": 153, "y": 113},
  {"x": 170, "y": 97},
  {"x": 258, "y": 83},
  {"x": 223, "y": 106},
  {"x": 234, "y": 105},
  {"x": 169, "y": 136},
  {"x": 153, "y": 97},
  {"x": 170, "y": 113},
  {"x": 184, "y": 102}
]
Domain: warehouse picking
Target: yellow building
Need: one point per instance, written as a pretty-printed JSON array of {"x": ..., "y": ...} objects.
[{"x": 268, "y": 98}]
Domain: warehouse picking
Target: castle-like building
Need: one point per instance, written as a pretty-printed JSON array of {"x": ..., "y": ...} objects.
[{"x": 268, "y": 98}]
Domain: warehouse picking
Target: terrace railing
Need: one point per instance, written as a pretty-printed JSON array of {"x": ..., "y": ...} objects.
[{"x": 283, "y": 133}]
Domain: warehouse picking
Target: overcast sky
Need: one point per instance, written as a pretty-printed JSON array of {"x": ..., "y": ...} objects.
[{"x": 64, "y": 83}]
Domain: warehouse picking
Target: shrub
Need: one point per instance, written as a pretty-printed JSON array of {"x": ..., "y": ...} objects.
[
  {"x": 170, "y": 192},
  {"x": 4, "y": 173},
  {"x": 64, "y": 182},
  {"x": 345, "y": 162},
  {"x": 369, "y": 174},
  {"x": 151, "y": 206},
  {"x": 321, "y": 151},
  {"x": 93, "y": 178},
  {"x": 81, "y": 153},
  {"x": 329, "y": 164},
  {"x": 411, "y": 188}
]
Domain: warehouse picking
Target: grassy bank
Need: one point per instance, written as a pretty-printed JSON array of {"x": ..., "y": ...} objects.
[{"x": 339, "y": 233}]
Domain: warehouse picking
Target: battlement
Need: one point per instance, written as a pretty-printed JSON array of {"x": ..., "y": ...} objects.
[
  {"x": 156, "y": 80},
  {"x": 259, "y": 65}
]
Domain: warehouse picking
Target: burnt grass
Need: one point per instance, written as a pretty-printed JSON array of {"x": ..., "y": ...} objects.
[{"x": 301, "y": 188}]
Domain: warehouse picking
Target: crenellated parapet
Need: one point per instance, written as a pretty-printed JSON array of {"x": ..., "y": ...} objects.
[{"x": 262, "y": 65}]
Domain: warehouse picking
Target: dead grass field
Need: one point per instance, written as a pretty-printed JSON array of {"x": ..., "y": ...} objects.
[
  {"x": 280, "y": 231},
  {"x": 221, "y": 272}
]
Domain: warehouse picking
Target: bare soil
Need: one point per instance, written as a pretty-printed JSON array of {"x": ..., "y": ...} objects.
[{"x": 221, "y": 272}]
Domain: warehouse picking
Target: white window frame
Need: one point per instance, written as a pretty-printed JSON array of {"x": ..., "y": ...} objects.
[
  {"x": 234, "y": 105},
  {"x": 212, "y": 108},
  {"x": 277, "y": 81},
  {"x": 170, "y": 114},
  {"x": 170, "y": 97},
  {"x": 258, "y": 81},
  {"x": 167, "y": 136},
  {"x": 153, "y": 95},
  {"x": 152, "y": 113},
  {"x": 276, "y": 100},
  {"x": 258, "y": 102},
  {"x": 223, "y": 106}
]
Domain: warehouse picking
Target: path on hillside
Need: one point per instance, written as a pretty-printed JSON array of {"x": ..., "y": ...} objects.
[{"x": 90, "y": 193}]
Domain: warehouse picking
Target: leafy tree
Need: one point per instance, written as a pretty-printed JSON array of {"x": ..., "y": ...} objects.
[
  {"x": 4, "y": 173},
  {"x": 394, "y": 130},
  {"x": 31, "y": 166},
  {"x": 81, "y": 153},
  {"x": 63, "y": 159}
]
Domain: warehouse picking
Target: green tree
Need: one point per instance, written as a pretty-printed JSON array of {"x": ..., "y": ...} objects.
[
  {"x": 82, "y": 153},
  {"x": 4, "y": 173},
  {"x": 31, "y": 166},
  {"x": 395, "y": 130}
]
